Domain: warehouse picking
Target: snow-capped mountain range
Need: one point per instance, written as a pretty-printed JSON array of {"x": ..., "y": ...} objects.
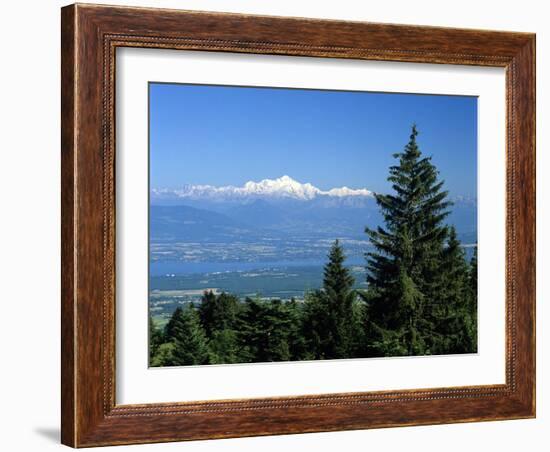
[{"x": 283, "y": 188}]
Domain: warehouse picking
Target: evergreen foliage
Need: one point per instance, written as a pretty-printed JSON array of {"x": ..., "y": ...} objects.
[
  {"x": 330, "y": 312},
  {"x": 217, "y": 312},
  {"x": 472, "y": 302},
  {"x": 417, "y": 274},
  {"x": 264, "y": 331},
  {"x": 223, "y": 347},
  {"x": 218, "y": 316},
  {"x": 163, "y": 356},
  {"x": 451, "y": 313},
  {"x": 188, "y": 338},
  {"x": 297, "y": 343},
  {"x": 155, "y": 339}
]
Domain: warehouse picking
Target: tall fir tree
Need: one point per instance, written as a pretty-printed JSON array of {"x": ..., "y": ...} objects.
[
  {"x": 218, "y": 314},
  {"x": 186, "y": 333},
  {"x": 330, "y": 311},
  {"x": 404, "y": 267}
]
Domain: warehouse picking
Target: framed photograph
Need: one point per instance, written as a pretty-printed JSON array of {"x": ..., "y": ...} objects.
[{"x": 280, "y": 225}]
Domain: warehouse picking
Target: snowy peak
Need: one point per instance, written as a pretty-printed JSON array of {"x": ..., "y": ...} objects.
[
  {"x": 282, "y": 187},
  {"x": 345, "y": 191}
]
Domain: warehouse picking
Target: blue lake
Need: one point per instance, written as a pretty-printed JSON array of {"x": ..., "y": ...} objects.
[{"x": 160, "y": 268}]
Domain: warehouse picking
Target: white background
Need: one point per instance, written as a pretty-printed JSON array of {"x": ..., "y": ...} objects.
[
  {"x": 138, "y": 384},
  {"x": 29, "y": 389}
]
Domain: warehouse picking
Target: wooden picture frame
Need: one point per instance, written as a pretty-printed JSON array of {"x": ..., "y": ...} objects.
[{"x": 90, "y": 36}]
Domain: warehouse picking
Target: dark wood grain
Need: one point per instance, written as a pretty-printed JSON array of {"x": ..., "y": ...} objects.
[
  {"x": 67, "y": 225},
  {"x": 90, "y": 36}
]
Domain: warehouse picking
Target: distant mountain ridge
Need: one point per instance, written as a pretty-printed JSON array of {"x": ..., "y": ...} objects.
[
  {"x": 272, "y": 219},
  {"x": 284, "y": 187},
  {"x": 190, "y": 223}
]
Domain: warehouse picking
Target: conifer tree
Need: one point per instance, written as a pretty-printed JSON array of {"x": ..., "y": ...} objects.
[
  {"x": 404, "y": 266},
  {"x": 264, "y": 328},
  {"x": 472, "y": 307},
  {"x": 155, "y": 339},
  {"x": 251, "y": 330},
  {"x": 338, "y": 289},
  {"x": 223, "y": 347},
  {"x": 330, "y": 311},
  {"x": 206, "y": 310},
  {"x": 296, "y": 339},
  {"x": 473, "y": 273},
  {"x": 163, "y": 355},
  {"x": 451, "y": 312},
  {"x": 314, "y": 325},
  {"x": 217, "y": 312},
  {"x": 278, "y": 330},
  {"x": 187, "y": 335},
  {"x": 217, "y": 315}
]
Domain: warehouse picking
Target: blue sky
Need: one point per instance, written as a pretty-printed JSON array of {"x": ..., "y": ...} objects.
[{"x": 228, "y": 135}]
